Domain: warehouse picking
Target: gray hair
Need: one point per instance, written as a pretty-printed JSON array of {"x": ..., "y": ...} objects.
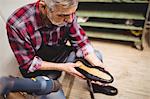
[{"x": 66, "y": 3}]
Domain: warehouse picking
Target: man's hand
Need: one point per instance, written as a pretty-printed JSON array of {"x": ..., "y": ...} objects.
[
  {"x": 95, "y": 61},
  {"x": 70, "y": 68}
]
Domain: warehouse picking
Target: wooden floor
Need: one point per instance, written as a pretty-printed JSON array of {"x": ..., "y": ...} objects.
[
  {"x": 130, "y": 67},
  {"x": 131, "y": 70}
]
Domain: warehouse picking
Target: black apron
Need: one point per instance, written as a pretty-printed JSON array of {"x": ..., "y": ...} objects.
[{"x": 55, "y": 53}]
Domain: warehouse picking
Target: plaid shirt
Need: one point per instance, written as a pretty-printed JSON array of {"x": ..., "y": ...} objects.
[{"x": 24, "y": 27}]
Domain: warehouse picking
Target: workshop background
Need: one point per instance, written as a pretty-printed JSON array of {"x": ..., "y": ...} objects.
[{"x": 120, "y": 29}]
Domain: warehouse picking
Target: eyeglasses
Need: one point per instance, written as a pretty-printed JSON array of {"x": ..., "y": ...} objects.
[{"x": 66, "y": 15}]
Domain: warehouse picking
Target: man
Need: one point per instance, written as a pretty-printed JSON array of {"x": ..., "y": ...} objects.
[{"x": 38, "y": 33}]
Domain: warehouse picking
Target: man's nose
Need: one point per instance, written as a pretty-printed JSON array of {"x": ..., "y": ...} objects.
[{"x": 69, "y": 18}]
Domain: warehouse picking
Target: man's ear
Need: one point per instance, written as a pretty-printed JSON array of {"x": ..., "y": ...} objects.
[{"x": 42, "y": 6}]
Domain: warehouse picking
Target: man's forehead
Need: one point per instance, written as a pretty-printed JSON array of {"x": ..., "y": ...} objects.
[{"x": 64, "y": 9}]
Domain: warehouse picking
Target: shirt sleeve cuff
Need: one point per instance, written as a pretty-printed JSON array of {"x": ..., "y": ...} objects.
[{"x": 35, "y": 65}]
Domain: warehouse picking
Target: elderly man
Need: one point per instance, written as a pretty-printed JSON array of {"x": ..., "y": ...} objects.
[{"x": 38, "y": 33}]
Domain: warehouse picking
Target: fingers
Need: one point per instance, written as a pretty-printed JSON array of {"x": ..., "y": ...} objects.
[
  {"x": 75, "y": 75},
  {"x": 79, "y": 74},
  {"x": 71, "y": 70},
  {"x": 97, "y": 82}
]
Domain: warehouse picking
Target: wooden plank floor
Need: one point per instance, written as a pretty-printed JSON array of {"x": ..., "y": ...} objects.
[
  {"x": 131, "y": 70},
  {"x": 130, "y": 67}
]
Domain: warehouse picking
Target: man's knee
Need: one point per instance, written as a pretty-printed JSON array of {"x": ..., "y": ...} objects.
[
  {"x": 71, "y": 57},
  {"x": 47, "y": 85}
]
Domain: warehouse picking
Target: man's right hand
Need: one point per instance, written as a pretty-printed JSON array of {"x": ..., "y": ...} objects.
[
  {"x": 67, "y": 67},
  {"x": 70, "y": 68}
]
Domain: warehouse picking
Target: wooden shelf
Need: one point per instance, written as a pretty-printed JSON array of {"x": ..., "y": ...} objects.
[
  {"x": 110, "y": 25},
  {"x": 117, "y": 1},
  {"x": 108, "y": 19},
  {"x": 111, "y": 14},
  {"x": 114, "y": 36}
]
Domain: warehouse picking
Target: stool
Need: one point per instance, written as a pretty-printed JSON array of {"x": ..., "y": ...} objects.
[{"x": 69, "y": 80}]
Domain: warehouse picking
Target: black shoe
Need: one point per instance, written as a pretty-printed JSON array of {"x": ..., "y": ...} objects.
[
  {"x": 96, "y": 73},
  {"x": 107, "y": 90}
]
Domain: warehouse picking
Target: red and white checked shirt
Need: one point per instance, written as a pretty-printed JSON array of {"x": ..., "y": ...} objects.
[{"x": 23, "y": 29}]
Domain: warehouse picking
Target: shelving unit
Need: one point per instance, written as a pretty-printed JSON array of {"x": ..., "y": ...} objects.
[{"x": 122, "y": 20}]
